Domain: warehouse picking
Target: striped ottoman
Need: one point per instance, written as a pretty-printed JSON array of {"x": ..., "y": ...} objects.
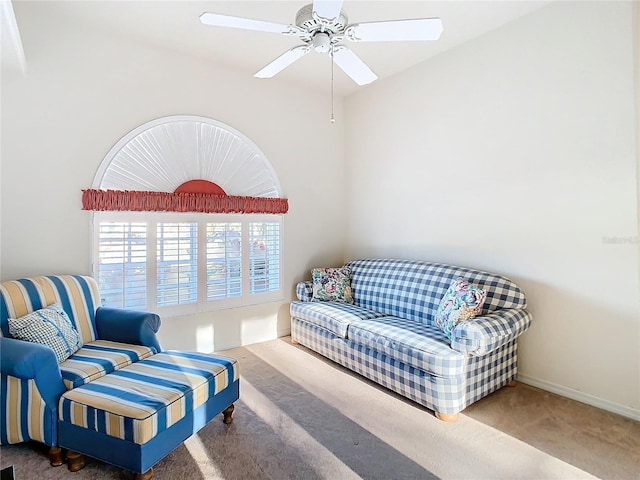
[{"x": 135, "y": 416}]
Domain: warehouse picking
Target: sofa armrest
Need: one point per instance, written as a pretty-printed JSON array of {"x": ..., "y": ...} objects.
[
  {"x": 482, "y": 335},
  {"x": 32, "y": 361},
  {"x": 304, "y": 291},
  {"x": 128, "y": 326}
]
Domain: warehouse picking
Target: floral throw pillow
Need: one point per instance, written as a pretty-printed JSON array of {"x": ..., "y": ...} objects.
[
  {"x": 48, "y": 326},
  {"x": 462, "y": 301},
  {"x": 332, "y": 284}
]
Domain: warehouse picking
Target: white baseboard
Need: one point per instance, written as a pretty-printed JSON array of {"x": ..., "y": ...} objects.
[
  {"x": 581, "y": 397},
  {"x": 284, "y": 333}
]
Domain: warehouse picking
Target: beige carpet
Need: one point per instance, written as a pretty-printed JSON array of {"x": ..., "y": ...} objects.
[{"x": 303, "y": 417}]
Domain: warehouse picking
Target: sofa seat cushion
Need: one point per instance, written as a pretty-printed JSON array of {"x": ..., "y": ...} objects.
[
  {"x": 99, "y": 358},
  {"x": 422, "y": 346},
  {"x": 333, "y": 316}
]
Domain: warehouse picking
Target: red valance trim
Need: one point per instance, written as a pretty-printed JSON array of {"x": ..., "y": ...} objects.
[
  {"x": 136, "y": 201},
  {"x": 200, "y": 186}
]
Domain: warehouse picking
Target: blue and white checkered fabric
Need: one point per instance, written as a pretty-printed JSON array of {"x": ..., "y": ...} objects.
[
  {"x": 442, "y": 394},
  {"x": 388, "y": 335},
  {"x": 304, "y": 291},
  {"x": 333, "y": 316},
  {"x": 448, "y": 394},
  {"x": 488, "y": 373},
  {"x": 413, "y": 289},
  {"x": 416, "y": 344},
  {"x": 484, "y": 334}
]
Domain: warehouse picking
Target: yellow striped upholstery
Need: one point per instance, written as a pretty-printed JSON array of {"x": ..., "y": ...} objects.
[
  {"x": 99, "y": 358},
  {"x": 28, "y": 406},
  {"x": 78, "y": 295},
  {"x": 23, "y": 396},
  {"x": 139, "y": 401}
]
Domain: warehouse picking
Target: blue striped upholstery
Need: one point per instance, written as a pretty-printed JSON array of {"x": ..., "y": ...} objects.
[
  {"x": 30, "y": 418},
  {"x": 389, "y": 336},
  {"x": 33, "y": 420},
  {"x": 140, "y": 401},
  {"x": 26, "y": 416},
  {"x": 97, "y": 359},
  {"x": 135, "y": 416},
  {"x": 31, "y": 380},
  {"x": 78, "y": 295}
]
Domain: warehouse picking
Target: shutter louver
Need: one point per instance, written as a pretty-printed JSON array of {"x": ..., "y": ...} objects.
[{"x": 122, "y": 264}]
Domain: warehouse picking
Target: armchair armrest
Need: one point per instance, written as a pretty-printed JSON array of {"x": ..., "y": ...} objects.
[
  {"x": 128, "y": 326},
  {"x": 484, "y": 334},
  {"x": 304, "y": 291},
  {"x": 32, "y": 361}
]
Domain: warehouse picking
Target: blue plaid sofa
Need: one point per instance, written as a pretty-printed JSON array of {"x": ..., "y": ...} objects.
[
  {"x": 119, "y": 397},
  {"x": 388, "y": 335}
]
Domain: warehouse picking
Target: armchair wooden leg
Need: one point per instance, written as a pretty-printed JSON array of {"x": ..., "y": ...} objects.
[
  {"x": 512, "y": 384},
  {"x": 55, "y": 456},
  {"x": 148, "y": 475},
  {"x": 75, "y": 461},
  {"x": 228, "y": 412},
  {"x": 446, "y": 417}
]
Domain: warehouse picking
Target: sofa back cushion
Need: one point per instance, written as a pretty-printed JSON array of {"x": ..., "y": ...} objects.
[
  {"x": 78, "y": 295},
  {"x": 413, "y": 289}
]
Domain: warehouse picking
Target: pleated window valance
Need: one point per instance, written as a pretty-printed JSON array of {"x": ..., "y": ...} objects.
[{"x": 132, "y": 201}]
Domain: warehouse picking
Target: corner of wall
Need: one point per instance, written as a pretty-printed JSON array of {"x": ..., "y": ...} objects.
[{"x": 636, "y": 60}]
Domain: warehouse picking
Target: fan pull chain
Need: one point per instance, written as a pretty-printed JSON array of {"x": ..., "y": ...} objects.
[{"x": 333, "y": 119}]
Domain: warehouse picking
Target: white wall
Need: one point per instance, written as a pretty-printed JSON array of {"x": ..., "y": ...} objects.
[
  {"x": 84, "y": 91},
  {"x": 516, "y": 153}
]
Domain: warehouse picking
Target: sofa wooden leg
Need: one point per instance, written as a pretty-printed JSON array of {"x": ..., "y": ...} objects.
[
  {"x": 75, "y": 461},
  {"x": 512, "y": 384},
  {"x": 228, "y": 412},
  {"x": 55, "y": 456},
  {"x": 148, "y": 475},
  {"x": 294, "y": 342},
  {"x": 446, "y": 417}
]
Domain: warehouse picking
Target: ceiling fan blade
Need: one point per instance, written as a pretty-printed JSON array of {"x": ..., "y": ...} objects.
[
  {"x": 395, "y": 31},
  {"x": 245, "y": 23},
  {"x": 351, "y": 64},
  {"x": 328, "y": 9},
  {"x": 283, "y": 61}
]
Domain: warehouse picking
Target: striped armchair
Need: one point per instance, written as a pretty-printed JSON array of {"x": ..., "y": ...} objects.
[{"x": 32, "y": 379}]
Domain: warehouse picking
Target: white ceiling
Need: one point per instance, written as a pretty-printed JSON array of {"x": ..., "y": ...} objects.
[{"x": 175, "y": 25}]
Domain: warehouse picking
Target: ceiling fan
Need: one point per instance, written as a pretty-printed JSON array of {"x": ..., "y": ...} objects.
[{"x": 323, "y": 26}]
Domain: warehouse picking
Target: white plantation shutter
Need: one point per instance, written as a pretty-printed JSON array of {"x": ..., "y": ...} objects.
[
  {"x": 122, "y": 264},
  {"x": 224, "y": 260},
  {"x": 264, "y": 258},
  {"x": 176, "y": 263}
]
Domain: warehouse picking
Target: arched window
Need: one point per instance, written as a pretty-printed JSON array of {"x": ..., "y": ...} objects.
[{"x": 187, "y": 217}]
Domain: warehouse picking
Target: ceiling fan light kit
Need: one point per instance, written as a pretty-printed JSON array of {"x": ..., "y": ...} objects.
[{"x": 322, "y": 26}]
